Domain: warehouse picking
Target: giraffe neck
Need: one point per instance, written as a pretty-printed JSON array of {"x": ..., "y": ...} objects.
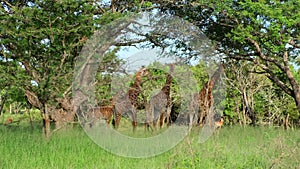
[
  {"x": 211, "y": 82},
  {"x": 135, "y": 89},
  {"x": 138, "y": 78},
  {"x": 167, "y": 86},
  {"x": 136, "y": 86},
  {"x": 216, "y": 76}
]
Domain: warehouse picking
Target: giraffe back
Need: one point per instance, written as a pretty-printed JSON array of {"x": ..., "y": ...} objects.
[{"x": 102, "y": 112}]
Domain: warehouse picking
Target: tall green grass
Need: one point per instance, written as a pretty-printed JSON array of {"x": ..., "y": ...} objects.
[{"x": 232, "y": 147}]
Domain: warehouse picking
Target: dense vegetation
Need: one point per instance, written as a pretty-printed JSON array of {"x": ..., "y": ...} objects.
[
  {"x": 257, "y": 41},
  {"x": 40, "y": 41}
]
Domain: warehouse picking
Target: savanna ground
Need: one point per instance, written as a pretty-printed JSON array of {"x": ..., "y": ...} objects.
[{"x": 23, "y": 146}]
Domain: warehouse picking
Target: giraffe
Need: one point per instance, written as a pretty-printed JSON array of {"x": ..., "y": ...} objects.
[
  {"x": 101, "y": 112},
  {"x": 218, "y": 120},
  {"x": 8, "y": 121},
  {"x": 204, "y": 99},
  {"x": 127, "y": 103},
  {"x": 159, "y": 107}
]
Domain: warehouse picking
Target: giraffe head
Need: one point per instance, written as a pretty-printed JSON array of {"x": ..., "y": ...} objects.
[{"x": 142, "y": 72}]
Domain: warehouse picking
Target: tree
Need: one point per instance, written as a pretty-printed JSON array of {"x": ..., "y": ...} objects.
[
  {"x": 247, "y": 85},
  {"x": 42, "y": 39},
  {"x": 263, "y": 32},
  {"x": 109, "y": 65},
  {"x": 269, "y": 39}
]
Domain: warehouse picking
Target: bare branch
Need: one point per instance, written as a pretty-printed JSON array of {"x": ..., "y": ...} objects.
[{"x": 130, "y": 43}]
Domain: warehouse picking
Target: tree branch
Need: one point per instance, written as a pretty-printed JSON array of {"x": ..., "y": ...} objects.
[
  {"x": 274, "y": 79},
  {"x": 263, "y": 56},
  {"x": 292, "y": 42},
  {"x": 130, "y": 43},
  {"x": 289, "y": 74},
  {"x": 31, "y": 71},
  {"x": 237, "y": 57},
  {"x": 7, "y": 3}
]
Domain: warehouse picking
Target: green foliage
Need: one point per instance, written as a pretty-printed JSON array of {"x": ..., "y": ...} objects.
[
  {"x": 147, "y": 4},
  {"x": 40, "y": 42},
  {"x": 272, "y": 24},
  {"x": 256, "y": 31},
  {"x": 109, "y": 17},
  {"x": 109, "y": 65},
  {"x": 230, "y": 106},
  {"x": 200, "y": 74},
  {"x": 157, "y": 79}
]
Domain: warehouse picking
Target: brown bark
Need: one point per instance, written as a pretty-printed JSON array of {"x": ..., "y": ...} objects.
[
  {"x": 33, "y": 99},
  {"x": 248, "y": 108},
  {"x": 46, "y": 121},
  {"x": 286, "y": 121},
  {"x": 3, "y": 100},
  {"x": 30, "y": 117},
  {"x": 244, "y": 110},
  {"x": 237, "y": 109},
  {"x": 294, "y": 84}
]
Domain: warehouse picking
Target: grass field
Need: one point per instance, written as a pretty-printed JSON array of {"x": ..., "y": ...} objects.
[{"x": 233, "y": 147}]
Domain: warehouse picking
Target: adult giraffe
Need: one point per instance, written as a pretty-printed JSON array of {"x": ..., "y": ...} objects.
[
  {"x": 159, "y": 107},
  {"x": 127, "y": 103},
  {"x": 204, "y": 99}
]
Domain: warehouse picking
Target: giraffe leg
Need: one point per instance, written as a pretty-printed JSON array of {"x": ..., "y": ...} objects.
[
  {"x": 150, "y": 119},
  {"x": 191, "y": 115},
  {"x": 201, "y": 117},
  {"x": 147, "y": 125},
  {"x": 168, "y": 120},
  {"x": 155, "y": 118},
  {"x": 161, "y": 120},
  {"x": 116, "y": 120},
  {"x": 134, "y": 120},
  {"x": 158, "y": 119},
  {"x": 169, "y": 116}
]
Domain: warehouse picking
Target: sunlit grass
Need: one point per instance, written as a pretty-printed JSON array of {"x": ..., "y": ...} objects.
[{"x": 232, "y": 147}]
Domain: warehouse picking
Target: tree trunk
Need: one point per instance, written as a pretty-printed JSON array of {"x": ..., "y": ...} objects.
[
  {"x": 244, "y": 109},
  {"x": 30, "y": 117},
  {"x": 248, "y": 108},
  {"x": 237, "y": 109},
  {"x": 3, "y": 100},
  {"x": 286, "y": 122},
  {"x": 294, "y": 84},
  {"x": 244, "y": 117},
  {"x": 297, "y": 97},
  {"x": 46, "y": 121},
  {"x": 10, "y": 108}
]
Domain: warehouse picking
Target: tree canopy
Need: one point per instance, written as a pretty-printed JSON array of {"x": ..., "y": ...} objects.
[{"x": 41, "y": 40}]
